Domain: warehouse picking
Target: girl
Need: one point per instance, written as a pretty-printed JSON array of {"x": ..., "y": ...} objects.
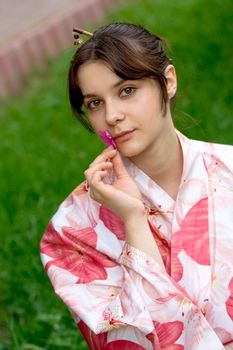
[{"x": 141, "y": 252}]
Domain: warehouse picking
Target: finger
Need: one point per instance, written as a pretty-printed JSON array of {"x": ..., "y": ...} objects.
[
  {"x": 97, "y": 167},
  {"x": 118, "y": 166},
  {"x": 104, "y": 156},
  {"x": 98, "y": 177},
  {"x": 98, "y": 186},
  {"x": 90, "y": 173}
]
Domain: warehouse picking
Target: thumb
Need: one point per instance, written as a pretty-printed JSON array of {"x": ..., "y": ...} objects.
[{"x": 119, "y": 167}]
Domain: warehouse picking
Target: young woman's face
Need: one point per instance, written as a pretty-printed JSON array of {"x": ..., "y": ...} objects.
[{"x": 131, "y": 110}]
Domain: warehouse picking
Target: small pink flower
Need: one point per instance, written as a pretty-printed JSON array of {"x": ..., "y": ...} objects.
[{"x": 107, "y": 315}]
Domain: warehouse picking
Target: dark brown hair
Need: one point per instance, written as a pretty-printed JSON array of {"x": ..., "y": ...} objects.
[{"x": 131, "y": 51}]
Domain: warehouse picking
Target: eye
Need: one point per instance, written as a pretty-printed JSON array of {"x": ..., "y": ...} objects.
[
  {"x": 93, "y": 104},
  {"x": 127, "y": 91}
]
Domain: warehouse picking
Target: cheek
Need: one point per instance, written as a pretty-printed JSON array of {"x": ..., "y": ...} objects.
[
  {"x": 150, "y": 102},
  {"x": 92, "y": 122},
  {"x": 150, "y": 112},
  {"x": 97, "y": 123}
]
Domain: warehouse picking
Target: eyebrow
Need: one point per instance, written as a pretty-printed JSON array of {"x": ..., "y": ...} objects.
[{"x": 117, "y": 84}]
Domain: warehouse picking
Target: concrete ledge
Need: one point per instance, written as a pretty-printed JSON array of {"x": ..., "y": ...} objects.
[{"x": 33, "y": 49}]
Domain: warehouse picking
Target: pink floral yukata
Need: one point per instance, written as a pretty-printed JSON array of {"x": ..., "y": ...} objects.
[{"x": 119, "y": 297}]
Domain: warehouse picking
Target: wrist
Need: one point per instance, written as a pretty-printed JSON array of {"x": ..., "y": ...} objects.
[{"x": 138, "y": 217}]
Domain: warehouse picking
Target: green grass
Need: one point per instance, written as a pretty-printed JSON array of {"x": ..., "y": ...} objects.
[{"x": 44, "y": 152}]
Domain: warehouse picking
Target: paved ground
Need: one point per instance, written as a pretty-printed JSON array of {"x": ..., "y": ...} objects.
[
  {"x": 32, "y": 31},
  {"x": 17, "y": 17}
]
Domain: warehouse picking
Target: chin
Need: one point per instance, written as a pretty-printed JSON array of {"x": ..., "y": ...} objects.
[{"x": 129, "y": 152}]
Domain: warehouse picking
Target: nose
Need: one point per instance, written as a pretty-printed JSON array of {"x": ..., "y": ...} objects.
[{"x": 113, "y": 113}]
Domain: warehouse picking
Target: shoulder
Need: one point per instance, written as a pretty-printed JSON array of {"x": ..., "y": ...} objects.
[
  {"x": 78, "y": 209},
  {"x": 216, "y": 154},
  {"x": 212, "y": 147},
  {"x": 213, "y": 153}
]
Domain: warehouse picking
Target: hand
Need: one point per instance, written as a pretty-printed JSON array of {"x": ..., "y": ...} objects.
[{"x": 122, "y": 196}]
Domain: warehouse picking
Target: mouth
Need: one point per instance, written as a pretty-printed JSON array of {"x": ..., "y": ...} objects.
[{"x": 123, "y": 135}]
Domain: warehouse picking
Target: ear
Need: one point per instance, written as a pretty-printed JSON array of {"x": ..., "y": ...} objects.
[{"x": 170, "y": 74}]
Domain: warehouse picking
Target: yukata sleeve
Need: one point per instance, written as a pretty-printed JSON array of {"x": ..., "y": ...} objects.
[
  {"x": 176, "y": 317},
  {"x": 95, "y": 287}
]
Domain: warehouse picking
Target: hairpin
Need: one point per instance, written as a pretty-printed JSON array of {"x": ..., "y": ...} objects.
[{"x": 78, "y": 40}]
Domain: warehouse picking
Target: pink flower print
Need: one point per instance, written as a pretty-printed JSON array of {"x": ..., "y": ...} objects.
[
  {"x": 78, "y": 191},
  {"x": 123, "y": 345},
  {"x": 75, "y": 252},
  {"x": 99, "y": 341},
  {"x": 193, "y": 235},
  {"x": 110, "y": 320},
  {"x": 109, "y": 293},
  {"x": 173, "y": 301},
  {"x": 176, "y": 266},
  {"x": 229, "y": 302},
  {"x": 154, "y": 295},
  {"x": 94, "y": 341},
  {"x": 107, "y": 315},
  {"x": 220, "y": 286},
  {"x": 167, "y": 334},
  {"x": 224, "y": 336},
  {"x": 162, "y": 243},
  {"x": 112, "y": 222}
]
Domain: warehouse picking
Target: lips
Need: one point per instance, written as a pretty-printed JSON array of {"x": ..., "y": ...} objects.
[{"x": 123, "y": 133}]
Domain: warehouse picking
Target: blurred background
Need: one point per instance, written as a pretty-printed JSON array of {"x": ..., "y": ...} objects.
[{"x": 44, "y": 151}]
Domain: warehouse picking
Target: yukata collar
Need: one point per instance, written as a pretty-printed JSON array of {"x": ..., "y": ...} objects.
[{"x": 153, "y": 195}]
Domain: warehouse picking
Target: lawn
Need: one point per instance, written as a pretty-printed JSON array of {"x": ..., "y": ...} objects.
[{"x": 44, "y": 152}]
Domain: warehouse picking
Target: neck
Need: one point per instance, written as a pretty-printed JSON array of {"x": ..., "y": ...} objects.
[{"x": 164, "y": 162}]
